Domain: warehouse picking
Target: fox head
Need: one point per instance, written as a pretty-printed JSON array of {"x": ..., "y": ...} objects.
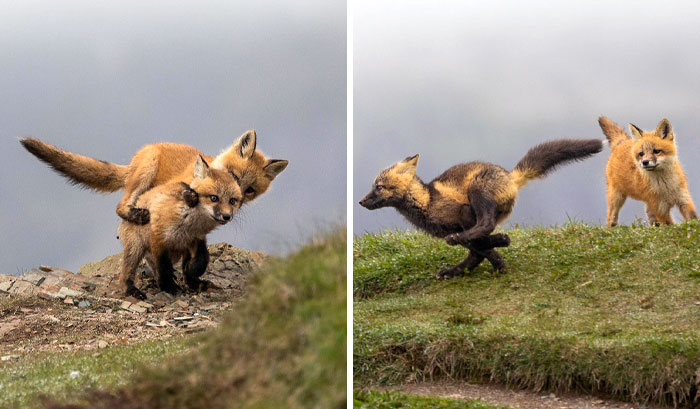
[
  {"x": 393, "y": 185},
  {"x": 654, "y": 150},
  {"x": 249, "y": 167},
  {"x": 219, "y": 194}
]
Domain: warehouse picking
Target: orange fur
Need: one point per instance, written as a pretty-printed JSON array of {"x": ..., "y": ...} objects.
[
  {"x": 646, "y": 168},
  {"x": 174, "y": 226}
]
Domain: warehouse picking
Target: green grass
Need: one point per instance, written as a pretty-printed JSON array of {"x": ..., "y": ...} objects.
[
  {"x": 283, "y": 345},
  {"x": 390, "y": 400},
  {"x": 22, "y": 382},
  {"x": 579, "y": 308}
]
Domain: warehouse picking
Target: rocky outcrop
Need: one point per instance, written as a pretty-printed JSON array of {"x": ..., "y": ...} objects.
[{"x": 229, "y": 270}]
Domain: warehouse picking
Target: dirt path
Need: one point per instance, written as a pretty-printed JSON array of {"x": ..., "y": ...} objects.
[{"x": 499, "y": 395}]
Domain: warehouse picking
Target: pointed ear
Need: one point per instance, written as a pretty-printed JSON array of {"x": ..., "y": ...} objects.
[
  {"x": 245, "y": 145},
  {"x": 664, "y": 130},
  {"x": 636, "y": 132},
  {"x": 407, "y": 165},
  {"x": 274, "y": 167},
  {"x": 201, "y": 169}
]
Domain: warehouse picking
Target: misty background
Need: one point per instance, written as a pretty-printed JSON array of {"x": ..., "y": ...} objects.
[
  {"x": 473, "y": 80},
  {"x": 104, "y": 79}
]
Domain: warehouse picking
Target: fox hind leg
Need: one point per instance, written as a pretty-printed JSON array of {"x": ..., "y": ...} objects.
[
  {"x": 131, "y": 257},
  {"x": 479, "y": 250},
  {"x": 615, "y": 201}
]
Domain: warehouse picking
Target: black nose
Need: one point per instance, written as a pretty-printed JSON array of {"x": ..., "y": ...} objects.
[
  {"x": 645, "y": 162},
  {"x": 361, "y": 202},
  {"x": 226, "y": 216}
]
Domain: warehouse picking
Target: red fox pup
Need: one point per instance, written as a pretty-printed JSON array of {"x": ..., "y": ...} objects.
[
  {"x": 466, "y": 203},
  {"x": 182, "y": 215},
  {"x": 645, "y": 167},
  {"x": 157, "y": 164}
]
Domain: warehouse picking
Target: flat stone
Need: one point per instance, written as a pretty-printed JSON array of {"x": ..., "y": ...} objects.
[
  {"x": 145, "y": 305},
  {"x": 5, "y": 286},
  {"x": 34, "y": 276},
  {"x": 45, "y": 268},
  {"x": 23, "y": 288},
  {"x": 51, "y": 281},
  {"x": 68, "y": 300},
  {"x": 67, "y": 292},
  {"x": 83, "y": 304},
  {"x": 125, "y": 305},
  {"x": 137, "y": 308}
]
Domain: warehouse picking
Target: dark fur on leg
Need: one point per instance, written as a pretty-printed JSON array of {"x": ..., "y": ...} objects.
[
  {"x": 166, "y": 276},
  {"x": 137, "y": 215},
  {"x": 132, "y": 291},
  {"x": 479, "y": 249},
  {"x": 193, "y": 268}
]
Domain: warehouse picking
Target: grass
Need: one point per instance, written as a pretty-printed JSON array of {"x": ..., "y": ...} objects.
[
  {"x": 23, "y": 382},
  {"x": 579, "y": 308},
  {"x": 390, "y": 400},
  {"x": 283, "y": 345}
]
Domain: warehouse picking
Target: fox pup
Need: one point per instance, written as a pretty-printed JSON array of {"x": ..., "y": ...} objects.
[
  {"x": 182, "y": 215},
  {"x": 645, "y": 167},
  {"x": 466, "y": 203},
  {"x": 157, "y": 164}
]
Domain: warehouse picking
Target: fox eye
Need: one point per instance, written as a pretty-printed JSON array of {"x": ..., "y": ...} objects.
[
  {"x": 641, "y": 154},
  {"x": 379, "y": 187},
  {"x": 235, "y": 177},
  {"x": 214, "y": 198},
  {"x": 657, "y": 151},
  {"x": 250, "y": 190},
  {"x": 232, "y": 201}
]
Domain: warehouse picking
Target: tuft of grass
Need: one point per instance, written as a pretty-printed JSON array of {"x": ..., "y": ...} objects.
[
  {"x": 370, "y": 399},
  {"x": 283, "y": 345},
  {"x": 579, "y": 308},
  {"x": 23, "y": 382}
]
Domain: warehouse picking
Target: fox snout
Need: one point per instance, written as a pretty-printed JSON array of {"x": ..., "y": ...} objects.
[{"x": 369, "y": 201}]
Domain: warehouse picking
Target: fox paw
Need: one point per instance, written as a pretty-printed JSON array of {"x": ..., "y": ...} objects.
[
  {"x": 132, "y": 291},
  {"x": 500, "y": 240},
  {"x": 197, "y": 285},
  {"x": 170, "y": 287},
  {"x": 190, "y": 197},
  {"x": 453, "y": 239},
  {"x": 449, "y": 273},
  {"x": 138, "y": 216}
]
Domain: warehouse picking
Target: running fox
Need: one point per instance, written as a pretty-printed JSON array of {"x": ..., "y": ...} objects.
[
  {"x": 182, "y": 214},
  {"x": 157, "y": 164},
  {"x": 645, "y": 167},
  {"x": 466, "y": 203}
]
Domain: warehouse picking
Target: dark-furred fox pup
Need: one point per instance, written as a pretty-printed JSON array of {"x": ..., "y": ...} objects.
[
  {"x": 466, "y": 203},
  {"x": 158, "y": 164},
  {"x": 645, "y": 167},
  {"x": 182, "y": 214}
]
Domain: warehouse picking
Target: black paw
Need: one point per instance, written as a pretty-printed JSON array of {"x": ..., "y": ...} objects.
[
  {"x": 197, "y": 285},
  {"x": 138, "y": 216},
  {"x": 453, "y": 239},
  {"x": 132, "y": 291},
  {"x": 190, "y": 197},
  {"x": 500, "y": 240},
  {"x": 449, "y": 273},
  {"x": 169, "y": 287}
]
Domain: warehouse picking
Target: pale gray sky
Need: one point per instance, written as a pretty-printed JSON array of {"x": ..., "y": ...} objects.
[
  {"x": 457, "y": 81},
  {"x": 103, "y": 79}
]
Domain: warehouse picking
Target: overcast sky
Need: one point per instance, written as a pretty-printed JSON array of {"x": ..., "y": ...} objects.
[
  {"x": 105, "y": 79},
  {"x": 476, "y": 80}
]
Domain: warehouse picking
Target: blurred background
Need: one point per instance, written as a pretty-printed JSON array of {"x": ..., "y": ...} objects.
[
  {"x": 104, "y": 79},
  {"x": 474, "y": 80}
]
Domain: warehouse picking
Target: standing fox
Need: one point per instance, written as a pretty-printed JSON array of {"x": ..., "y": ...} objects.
[
  {"x": 645, "y": 168},
  {"x": 182, "y": 214},
  {"x": 466, "y": 203},
  {"x": 157, "y": 164}
]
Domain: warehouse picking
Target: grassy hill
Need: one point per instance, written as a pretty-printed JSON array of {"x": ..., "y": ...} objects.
[{"x": 582, "y": 308}]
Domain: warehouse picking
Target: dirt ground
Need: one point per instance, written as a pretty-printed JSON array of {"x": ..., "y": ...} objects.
[{"x": 499, "y": 395}]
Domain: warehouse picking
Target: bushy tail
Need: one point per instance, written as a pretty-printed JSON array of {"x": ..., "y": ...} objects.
[
  {"x": 545, "y": 157},
  {"x": 614, "y": 132},
  {"x": 79, "y": 169}
]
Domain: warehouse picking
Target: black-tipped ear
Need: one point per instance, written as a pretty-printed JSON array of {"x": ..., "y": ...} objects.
[
  {"x": 636, "y": 132},
  {"x": 201, "y": 168},
  {"x": 407, "y": 165},
  {"x": 245, "y": 145},
  {"x": 274, "y": 167},
  {"x": 664, "y": 130}
]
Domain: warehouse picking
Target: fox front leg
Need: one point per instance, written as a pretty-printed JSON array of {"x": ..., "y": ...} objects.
[
  {"x": 194, "y": 267},
  {"x": 166, "y": 273},
  {"x": 479, "y": 250}
]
